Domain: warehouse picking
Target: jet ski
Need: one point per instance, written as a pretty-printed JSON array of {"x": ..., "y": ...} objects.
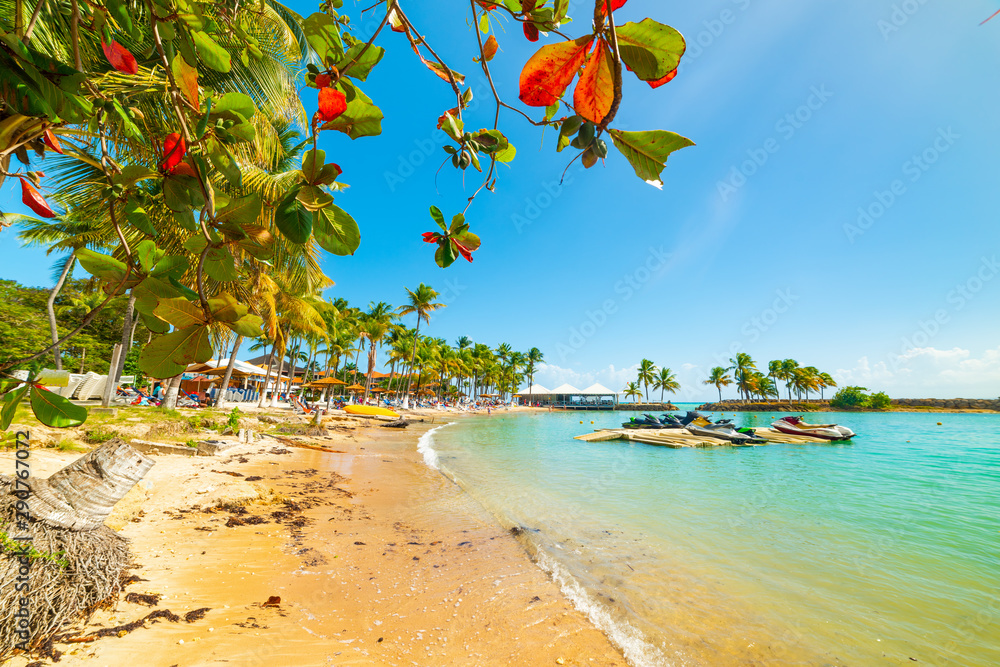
[
  {"x": 795, "y": 426},
  {"x": 705, "y": 428},
  {"x": 646, "y": 421}
]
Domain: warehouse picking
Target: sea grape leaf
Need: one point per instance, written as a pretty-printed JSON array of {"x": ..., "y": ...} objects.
[
  {"x": 146, "y": 251},
  {"x": 242, "y": 211},
  {"x": 361, "y": 119},
  {"x": 549, "y": 72},
  {"x": 153, "y": 323},
  {"x": 51, "y": 378},
  {"x": 180, "y": 312},
  {"x": 226, "y": 308},
  {"x": 234, "y": 106},
  {"x": 187, "y": 79},
  {"x": 211, "y": 53},
  {"x": 650, "y": 49},
  {"x": 336, "y": 231},
  {"x": 595, "y": 92},
  {"x": 170, "y": 265},
  {"x": 314, "y": 198},
  {"x": 224, "y": 161},
  {"x": 323, "y": 34},
  {"x": 647, "y": 152},
  {"x": 137, "y": 217},
  {"x": 53, "y": 410},
  {"x": 312, "y": 164},
  {"x": 101, "y": 266},
  {"x": 249, "y": 326},
  {"x": 8, "y": 405},
  {"x": 292, "y": 219},
  {"x": 168, "y": 355},
  {"x": 364, "y": 63},
  {"x": 221, "y": 266}
]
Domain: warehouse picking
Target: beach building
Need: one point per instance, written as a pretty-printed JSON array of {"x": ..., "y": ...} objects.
[{"x": 568, "y": 397}]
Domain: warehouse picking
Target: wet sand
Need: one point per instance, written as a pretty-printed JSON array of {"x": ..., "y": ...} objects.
[{"x": 377, "y": 559}]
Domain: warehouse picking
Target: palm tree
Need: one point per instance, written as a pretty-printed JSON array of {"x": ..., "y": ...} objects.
[
  {"x": 742, "y": 365},
  {"x": 534, "y": 358},
  {"x": 463, "y": 343},
  {"x": 421, "y": 302},
  {"x": 825, "y": 381},
  {"x": 632, "y": 389},
  {"x": 775, "y": 373},
  {"x": 788, "y": 368},
  {"x": 665, "y": 380},
  {"x": 376, "y": 325},
  {"x": 647, "y": 373},
  {"x": 719, "y": 376}
]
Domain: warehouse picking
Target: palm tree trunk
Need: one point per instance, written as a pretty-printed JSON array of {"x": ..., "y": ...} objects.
[
  {"x": 267, "y": 377},
  {"x": 115, "y": 373},
  {"x": 720, "y": 392},
  {"x": 220, "y": 402},
  {"x": 170, "y": 395},
  {"x": 50, "y": 305},
  {"x": 413, "y": 355}
]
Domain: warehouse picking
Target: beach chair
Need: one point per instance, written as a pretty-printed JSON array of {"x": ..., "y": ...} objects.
[
  {"x": 75, "y": 380},
  {"x": 89, "y": 380},
  {"x": 95, "y": 390}
]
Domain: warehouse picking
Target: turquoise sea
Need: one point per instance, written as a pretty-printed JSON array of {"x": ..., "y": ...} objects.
[{"x": 884, "y": 550}]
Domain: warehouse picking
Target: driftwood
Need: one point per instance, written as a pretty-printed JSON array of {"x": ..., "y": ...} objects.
[
  {"x": 82, "y": 495},
  {"x": 73, "y": 563}
]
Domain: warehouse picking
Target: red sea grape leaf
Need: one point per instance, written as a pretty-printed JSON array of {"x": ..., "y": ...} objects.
[
  {"x": 187, "y": 79},
  {"x": 332, "y": 103},
  {"x": 52, "y": 142},
  {"x": 595, "y": 91},
  {"x": 531, "y": 32},
  {"x": 667, "y": 79},
  {"x": 119, "y": 57},
  {"x": 322, "y": 80},
  {"x": 490, "y": 48},
  {"x": 174, "y": 151},
  {"x": 549, "y": 72},
  {"x": 34, "y": 200}
]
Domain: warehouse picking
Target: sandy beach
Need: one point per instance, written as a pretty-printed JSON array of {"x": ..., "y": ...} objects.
[{"x": 376, "y": 558}]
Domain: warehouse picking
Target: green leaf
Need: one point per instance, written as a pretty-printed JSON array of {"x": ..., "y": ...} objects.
[
  {"x": 652, "y": 50},
  {"x": 8, "y": 405},
  {"x": 312, "y": 164},
  {"x": 180, "y": 312},
  {"x": 101, "y": 266},
  {"x": 445, "y": 255},
  {"x": 648, "y": 151},
  {"x": 132, "y": 174},
  {"x": 249, "y": 326},
  {"x": 224, "y": 161},
  {"x": 314, "y": 198},
  {"x": 226, "y": 308},
  {"x": 53, "y": 410},
  {"x": 171, "y": 265},
  {"x": 221, "y": 266},
  {"x": 364, "y": 64},
  {"x": 242, "y": 211},
  {"x": 323, "y": 34},
  {"x": 361, "y": 118},
  {"x": 168, "y": 355},
  {"x": 292, "y": 219},
  {"x": 137, "y": 217},
  {"x": 189, "y": 293},
  {"x": 336, "y": 231},
  {"x": 146, "y": 251},
  {"x": 153, "y": 323},
  {"x": 237, "y": 107},
  {"x": 439, "y": 218},
  {"x": 211, "y": 53},
  {"x": 6, "y": 384}
]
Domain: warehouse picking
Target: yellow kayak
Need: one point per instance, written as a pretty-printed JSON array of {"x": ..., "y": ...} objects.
[{"x": 369, "y": 410}]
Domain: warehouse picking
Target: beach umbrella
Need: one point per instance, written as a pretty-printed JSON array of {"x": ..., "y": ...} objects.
[
  {"x": 355, "y": 387},
  {"x": 326, "y": 382}
]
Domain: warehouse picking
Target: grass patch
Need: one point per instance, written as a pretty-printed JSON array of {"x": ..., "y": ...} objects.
[
  {"x": 67, "y": 445},
  {"x": 9, "y": 545},
  {"x": 98, "y": 435}
]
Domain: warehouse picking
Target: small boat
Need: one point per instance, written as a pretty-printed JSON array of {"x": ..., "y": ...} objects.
[
  {"x": 370, "y": 411},
  {"x": 722, "y": 431},
  {"x": 795, "y": 426}
]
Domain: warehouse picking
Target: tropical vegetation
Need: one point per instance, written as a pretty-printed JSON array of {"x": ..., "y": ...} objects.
[
  {"x": 183, "y": 173},
  {"x": 752, "y": 384},
  {"x": 662, "y": 379}
]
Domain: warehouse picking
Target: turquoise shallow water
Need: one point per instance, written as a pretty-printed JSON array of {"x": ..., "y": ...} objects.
[{"x": 884, "y": 550}]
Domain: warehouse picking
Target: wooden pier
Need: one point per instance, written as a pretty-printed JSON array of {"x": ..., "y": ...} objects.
[{"x": 681, "y": 437}]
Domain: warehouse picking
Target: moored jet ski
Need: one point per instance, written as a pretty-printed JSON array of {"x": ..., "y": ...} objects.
[{"x": 795, "y": 426}]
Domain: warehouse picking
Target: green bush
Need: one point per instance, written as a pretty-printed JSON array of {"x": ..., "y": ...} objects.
[
  {"x": 856, "y": 398},
  {"x": 879, "y": 401},
  {"x": 850, "y": 397},
  {"x": 98, "y": 435}
]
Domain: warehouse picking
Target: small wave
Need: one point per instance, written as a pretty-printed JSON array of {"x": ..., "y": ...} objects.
[
  {"x": 637, "y": 650},
  {"x": 425, "y": 445}
]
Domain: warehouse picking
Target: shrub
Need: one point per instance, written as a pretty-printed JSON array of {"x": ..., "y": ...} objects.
[
  {"x": 850, "y": 397},
  {"x": 98, "y": 435},
  {"x": 879, "y": 401}
]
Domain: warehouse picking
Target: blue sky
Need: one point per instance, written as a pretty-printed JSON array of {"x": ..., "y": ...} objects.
[{"x": 805, "y": 116}]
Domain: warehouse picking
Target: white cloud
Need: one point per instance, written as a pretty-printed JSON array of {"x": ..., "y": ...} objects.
[{"x": 927, "y": 372}]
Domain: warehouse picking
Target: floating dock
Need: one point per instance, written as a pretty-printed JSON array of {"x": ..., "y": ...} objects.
[{"x": 681, "y": 437}]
